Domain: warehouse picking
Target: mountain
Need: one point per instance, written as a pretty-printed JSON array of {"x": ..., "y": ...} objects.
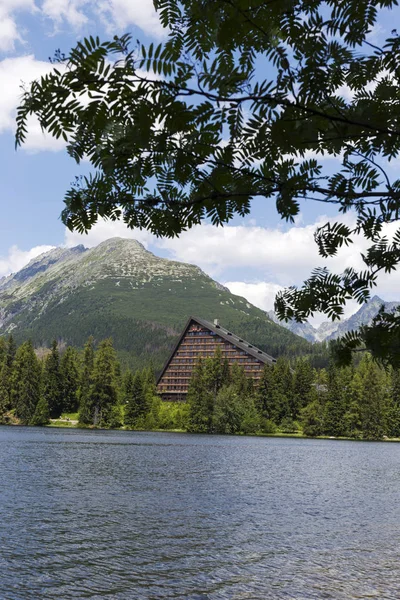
[
  {"x": 331, "y": 330},
  {"x": 119, "y": 289},
  {"x": 305, "y": 330},
  {"x": 363, "y": 316}
]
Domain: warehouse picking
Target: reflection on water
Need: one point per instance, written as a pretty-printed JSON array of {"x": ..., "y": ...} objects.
[{"x": 128, "y": 515}]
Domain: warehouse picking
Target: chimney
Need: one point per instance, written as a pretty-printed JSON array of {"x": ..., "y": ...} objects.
[{"x": 216, "y": 322}]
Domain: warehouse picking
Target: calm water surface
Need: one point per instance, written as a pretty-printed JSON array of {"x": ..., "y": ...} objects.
[{"x": 130, "y": 515}]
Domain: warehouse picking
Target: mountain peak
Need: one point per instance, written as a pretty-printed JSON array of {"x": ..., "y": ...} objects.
[
  {"x": 375, "y": 299},
  {"x": 122, "y": 290},
  {"x": 115, "y": 242}
]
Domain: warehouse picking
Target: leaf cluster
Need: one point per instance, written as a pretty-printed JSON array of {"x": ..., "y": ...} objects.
[{"x": 194, "y": 129}]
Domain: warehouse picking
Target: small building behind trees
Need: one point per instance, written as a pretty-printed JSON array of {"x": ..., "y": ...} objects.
[{"x": 200, "y": 338}]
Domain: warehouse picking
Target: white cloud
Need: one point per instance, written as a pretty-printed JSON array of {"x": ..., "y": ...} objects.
[
  {"x": 9, "y": 30},
  {"x": 15, "y": 72},
  {"x": 70, "y": 11},
  {"x": 121, "y": 14},
  {"x": 254, "y": 259},
  {"x": 282, "y": 256},
  {"x": 16, "y": 258},
  {"x": 261, "y": 294},
  {"x": 117, "y": 15}
]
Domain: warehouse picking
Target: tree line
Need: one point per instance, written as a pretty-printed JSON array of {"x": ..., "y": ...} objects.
[
  {"x": 361, "y": 402},
  {"x": 89, "y": 383}
]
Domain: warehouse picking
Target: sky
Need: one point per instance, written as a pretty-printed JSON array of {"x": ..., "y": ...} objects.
[{"x": 255, "y": 257}]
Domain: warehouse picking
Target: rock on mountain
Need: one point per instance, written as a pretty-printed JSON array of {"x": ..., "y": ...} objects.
[{"x": 120, "y": 289}]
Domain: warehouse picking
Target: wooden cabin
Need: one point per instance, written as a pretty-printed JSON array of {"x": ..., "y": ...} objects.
[{"x": 201, "y": 338}]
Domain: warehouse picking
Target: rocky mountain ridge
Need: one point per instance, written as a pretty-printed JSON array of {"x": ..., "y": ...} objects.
[
  {"x": 331, "y": 330},
  {"x": 122, "y": 290}
]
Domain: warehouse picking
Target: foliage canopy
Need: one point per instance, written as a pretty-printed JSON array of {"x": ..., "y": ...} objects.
[{"x": 241, "y": 101}]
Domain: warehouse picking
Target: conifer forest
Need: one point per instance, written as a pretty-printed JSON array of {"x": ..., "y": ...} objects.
[{"x": 87, "y": 388}]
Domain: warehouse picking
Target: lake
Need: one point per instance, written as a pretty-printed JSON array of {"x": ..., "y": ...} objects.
[{"x": 136, "y": 515}]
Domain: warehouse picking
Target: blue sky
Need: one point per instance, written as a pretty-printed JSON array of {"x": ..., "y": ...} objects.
[{"x": 35, "y": 178}]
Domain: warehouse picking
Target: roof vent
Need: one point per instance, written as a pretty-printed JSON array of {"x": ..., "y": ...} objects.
[{"x": 216, "y": 322}]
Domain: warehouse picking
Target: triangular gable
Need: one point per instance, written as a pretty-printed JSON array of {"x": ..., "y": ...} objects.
[{"x": 224, "y": 334}]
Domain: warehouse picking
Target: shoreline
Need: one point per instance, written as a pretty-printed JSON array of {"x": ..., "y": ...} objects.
[{"x": 70, "y": 424}]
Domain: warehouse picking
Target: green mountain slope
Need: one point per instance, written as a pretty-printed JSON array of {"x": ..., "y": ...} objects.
[{"x": 119, "y": 289}]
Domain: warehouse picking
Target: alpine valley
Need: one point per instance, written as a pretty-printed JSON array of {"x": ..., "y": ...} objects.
[{"x": 120, "y": 290}]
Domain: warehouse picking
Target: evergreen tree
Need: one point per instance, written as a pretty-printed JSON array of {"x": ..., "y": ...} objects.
[
  {"x": 214, "y": 372},
  {"x": 42, "y": 413},
  {"x": 5, "y": 390},
  {"x": 302, "y": 387},
  {"x": 104, "y": 391},
  {"x": 86, "y": 381},
  {"x": 70, "y": 379},
  {"x": 3, "y": 351},
  {"x": 11, "y": 352},
  {"x": 239, "y": 380},
  {"x": 250, "y": 421},
  {"x": 282, "y": 391},
  {"x": 312, "y": 417},
  {"x": 335, "y": 405},
  {"x": 226, "y": 372},
  {"x": 26, "y": 382},
  {"x": 53, "y": 382},
  {"x": 394, "y": 409},
  {"x": 136, "y": 402},
  {"x": 200, "y": 401},
  {"x": 228, "y": 411},
  {"x": 352, "y": 417},
  {"x": 265, "y": 392},
  {"x": 374, "y": 402}
]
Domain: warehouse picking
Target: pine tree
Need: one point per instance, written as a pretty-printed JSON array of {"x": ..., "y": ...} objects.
[
  {"x": 200, "y": 401},
  {"x": 53, "y": 382},
  {"x": 264, "y": 393},
  {"x": 312, "y": 417},
  {"x": 226, "y": 372},
  {"x": 302, "y": 386},
  {"x": 42, "y": 413},
  {"x": 335, "y": 407},
  {"x": 352, "y": 417},
  {"x": 3, "y": 351},
  {"x": 85, "y": 385},
  {"x": 11, "y": 352},
  {"x": 239, "y": 380},
  {"x": 70, "y": 378},
  {"x": 104, "y": 391},
  {"x": 214, "y": 372},
  {"x": 136, "y": 403},
  {"x": 375, "y": 400},
  {"x": 394, "y": 409},
  {"x": 228, "y": 411},
  {"x": 5, "y": 390},
  {"x": 282, "y": 391},
  {"x": 26, "y": 382},
  {"x": 250, "y": 420}
]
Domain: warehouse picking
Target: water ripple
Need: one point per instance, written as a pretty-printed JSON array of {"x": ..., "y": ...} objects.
[{"x": 127, "y": 515}]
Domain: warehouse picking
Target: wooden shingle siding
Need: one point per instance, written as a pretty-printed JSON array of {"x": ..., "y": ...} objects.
[{"x": 201, "y": 338}]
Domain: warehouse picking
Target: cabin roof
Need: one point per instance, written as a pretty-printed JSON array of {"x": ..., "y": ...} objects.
[{"x": 234, "y": 339}]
